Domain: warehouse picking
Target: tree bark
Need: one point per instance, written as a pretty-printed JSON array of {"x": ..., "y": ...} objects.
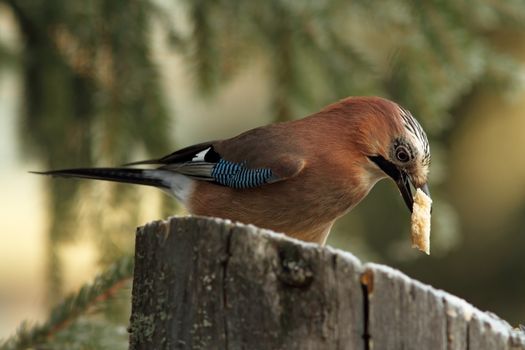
[{"x": 210, "y": 284}]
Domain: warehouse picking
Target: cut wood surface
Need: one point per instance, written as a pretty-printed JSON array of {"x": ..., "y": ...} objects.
[{"x": 204, "y": 283}]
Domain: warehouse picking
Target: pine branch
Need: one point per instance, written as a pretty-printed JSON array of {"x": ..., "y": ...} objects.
[
  {"x": 8, "y": 57},
  {"x": 205, "y": 54},
  {"x": 103, "y": 287}
]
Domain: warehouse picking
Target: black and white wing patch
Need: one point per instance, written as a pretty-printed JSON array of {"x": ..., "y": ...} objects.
[{"x": 202, "y": 162}]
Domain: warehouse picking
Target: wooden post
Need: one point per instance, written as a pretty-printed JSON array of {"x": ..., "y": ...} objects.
[{"x": 210, "y": 284}]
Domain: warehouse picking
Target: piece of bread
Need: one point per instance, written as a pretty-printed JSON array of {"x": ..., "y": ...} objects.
[{"x": 420, "y": 228}]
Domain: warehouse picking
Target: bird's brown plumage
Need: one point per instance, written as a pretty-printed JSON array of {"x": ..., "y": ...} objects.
[{"x": 323, "y": 158}]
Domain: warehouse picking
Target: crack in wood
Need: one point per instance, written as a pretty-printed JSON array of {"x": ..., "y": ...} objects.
[
  {"x": 225, "y": 262},
  {"x": 367, "y": 287},
  {"x": 468, "y": 336}
]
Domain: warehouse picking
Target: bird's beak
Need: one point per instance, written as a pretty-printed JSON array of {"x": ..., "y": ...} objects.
[
  {"x": 402, "y": 180},
  {"x": 403, "y": 183}
]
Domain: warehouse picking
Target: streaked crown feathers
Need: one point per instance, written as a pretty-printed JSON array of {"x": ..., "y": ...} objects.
[{"x": 413, "y": 127}]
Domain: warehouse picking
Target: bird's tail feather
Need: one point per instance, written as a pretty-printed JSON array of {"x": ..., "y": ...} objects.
[{"x": 134, "y": 176}]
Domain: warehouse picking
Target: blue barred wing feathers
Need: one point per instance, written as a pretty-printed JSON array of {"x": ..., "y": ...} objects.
[{"x": 237, "y": 175}]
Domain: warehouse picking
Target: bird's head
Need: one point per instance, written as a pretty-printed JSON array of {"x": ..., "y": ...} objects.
[
  {"x": 391, "y": 142},
  {"x": 404, "y": 153}
]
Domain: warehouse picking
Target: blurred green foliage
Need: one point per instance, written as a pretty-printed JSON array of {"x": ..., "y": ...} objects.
[
  {"x": 68, "y": 327},
  {"x": 93, "y": 97}
]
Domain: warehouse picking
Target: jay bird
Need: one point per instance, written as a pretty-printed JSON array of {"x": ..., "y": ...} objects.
[{"x": 295, "y": 177}]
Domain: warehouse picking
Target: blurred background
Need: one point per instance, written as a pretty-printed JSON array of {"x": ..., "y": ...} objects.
[{"x": 104, "y": 82}]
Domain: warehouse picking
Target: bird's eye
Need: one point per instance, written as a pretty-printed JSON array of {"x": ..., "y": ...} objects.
[{"x": 402, "y": 154}]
